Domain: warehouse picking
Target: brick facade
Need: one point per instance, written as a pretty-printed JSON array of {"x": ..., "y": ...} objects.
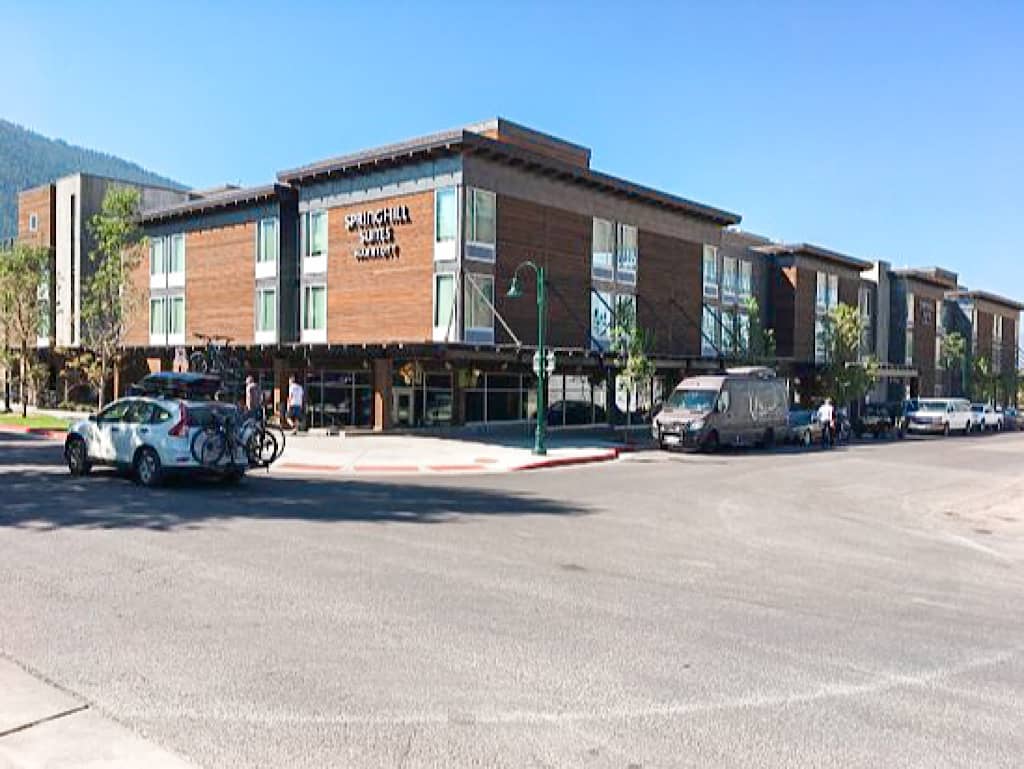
[
  {"x": 220, "y": 285},
  {"x": 381, "y": 300},
  {"x": 42, "y": 203}
]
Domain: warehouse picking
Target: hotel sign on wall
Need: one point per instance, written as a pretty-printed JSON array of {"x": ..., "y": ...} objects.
[{"x": 376, "y": 230}]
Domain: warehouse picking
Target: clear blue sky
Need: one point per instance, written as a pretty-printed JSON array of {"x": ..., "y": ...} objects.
[{"x": 884, "y": 130}]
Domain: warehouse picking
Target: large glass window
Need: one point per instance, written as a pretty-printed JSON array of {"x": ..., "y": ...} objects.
[
  {"x": 445, "y": 214},
  {"x": 176, "y": 263},
  {"x": 820, "y": 340},
  {"x": 821, "y": 292},
  {"x": 603, "y": 250},
  {"x": 156, "y": 257},
  {"x": 314, "y": 308},
  {"x": 157, "y": 316},
  {"x": 746, "y": 279},
  {"x": 444, "y": 300},
  {"x": 266, "y": 310},
  {"x": 480, "y": 217},
  {"x": 708, "y": 332},
  {"x": 314, "y": 236},
  {"x": 833, "y": 291},
  {"x": 910, "y": 308},
  {"x": 729, "y": 343},
  {"x": 625, "y": 310},
  {"x": 710, "y": 271},
  {"x": 909, "y": 347},
  {"x": 176, "y": 316},
  {"x": 730, "y": 278},
  {"x": 626, "y": 253},
  {"x": 600, "y": 315},
  {"x": 743, "y": 332},
  {"x": 267, "y": 246},
  {"x": 478, "y": 299}
]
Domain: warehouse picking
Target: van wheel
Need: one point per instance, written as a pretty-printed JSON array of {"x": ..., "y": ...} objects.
[
  {"x": 768, "y": 441},
  {"x": 711, "y": 442},
  {"x": 147, "y": 468},
  {"x": 806, "y": 439},
  {"x": 945, "y": 429}
]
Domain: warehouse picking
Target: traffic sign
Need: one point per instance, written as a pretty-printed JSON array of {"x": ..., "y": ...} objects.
[{"x": 549, "y": 362}]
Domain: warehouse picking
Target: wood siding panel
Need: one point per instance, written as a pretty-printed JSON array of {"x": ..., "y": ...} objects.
[
  {"x": 669, "y": 293},
  {"x": 382, "y": 300},
  {"x": 220, "y": 283}
]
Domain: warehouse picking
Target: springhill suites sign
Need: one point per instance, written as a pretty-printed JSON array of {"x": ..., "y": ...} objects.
[{"x": 377, "y": 231}]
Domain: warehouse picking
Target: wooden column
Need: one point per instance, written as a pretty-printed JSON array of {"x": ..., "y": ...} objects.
[{"x": 382, "y": 376}]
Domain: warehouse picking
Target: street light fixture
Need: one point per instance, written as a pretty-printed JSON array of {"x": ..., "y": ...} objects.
[{"x": 515, "y": 290}]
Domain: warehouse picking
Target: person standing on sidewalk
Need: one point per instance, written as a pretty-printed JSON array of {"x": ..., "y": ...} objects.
[
  {"x": 253, "y": 398},
  {"x": 296, "y": 397},
  {"x": 827, "y": 420}
]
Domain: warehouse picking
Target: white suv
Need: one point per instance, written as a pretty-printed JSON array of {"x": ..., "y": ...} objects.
[
  {"x": 152, "y": 436},
  {"x": 938, "y": 415},
  {"x": 986, "y": 417}
]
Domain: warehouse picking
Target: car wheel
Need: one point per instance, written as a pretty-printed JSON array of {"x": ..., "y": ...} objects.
[
  {"x": 711, "y": 442},
  {"x": 77, "y": 456},
  {"x": 768, "y": 441},
  {"x": 233, "y": 478},
  {"x": 945, "y": 429},
  {"x": 805, "y": 439},
  {"x": 148, "y": 471}
]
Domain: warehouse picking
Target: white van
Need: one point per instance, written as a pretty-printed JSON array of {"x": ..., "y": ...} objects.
[
  {"x": 941, "y": 415},
  {"x": 742, "y": 407}
]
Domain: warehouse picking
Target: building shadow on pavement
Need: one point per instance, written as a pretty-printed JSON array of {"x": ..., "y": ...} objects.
[{"x": 37, "y": 492}]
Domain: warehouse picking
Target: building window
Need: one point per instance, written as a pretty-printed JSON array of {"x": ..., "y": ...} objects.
[
  {"x": 910, "y": 308},
  {"x": 746, "y": 286},
  {"x": 729, "y": 342},
  {"x": 446, "y": 216},
  {"x": 481, "y": 228},
  {"x": 743, "y": 331},
  {"x": 909, "y": 347},
  {"x": 729, "y": 279},
  {"x": 176, "y": 318},
  {"x": 602, "y": 265},
  {"x": 833, "y": 291},
  {"x": 314, "y": 236},
  {"x": 626, "y": 254},
  {"x": 710, "y": 271},
  {"x": 266, "y": 246},
  {"x": 266, "y": 311},
  {"x": 156, "y": 257},
  {"x": 625, "y": 310},
  {"x": 444, "y": 301},
  {"x": 708, "y": 332},
  {"x": 314, "y": 308},
  {"x": 478, "y": 300},
  {"x": 157, "y": 318},
  {"x": 33, "y": 222},
  {"x": 821, "y": 340},
  {"x": 600, "y": 317},
  {"x": 176, "y": 258}
]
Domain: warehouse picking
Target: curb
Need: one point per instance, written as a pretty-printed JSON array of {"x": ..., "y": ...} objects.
[
  {"x": 543, "y": 464},
  {"x": 37, "y": 432}
]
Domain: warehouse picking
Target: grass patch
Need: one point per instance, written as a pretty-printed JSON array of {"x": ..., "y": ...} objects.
[{"x": 38, "y": 421}]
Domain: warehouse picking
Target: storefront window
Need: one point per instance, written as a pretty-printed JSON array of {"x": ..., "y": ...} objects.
[
  {"x": 339, "y": 398},
  {"x": 500, "y": 398}
]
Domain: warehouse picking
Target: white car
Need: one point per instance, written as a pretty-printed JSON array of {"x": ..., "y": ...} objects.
[
  {"x": 152, "y": 437},
  {"x": 986, "y": 417},
  {"x": 940, "y": 415}
]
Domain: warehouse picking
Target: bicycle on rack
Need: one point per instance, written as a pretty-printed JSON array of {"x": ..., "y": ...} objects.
[{"x": 261, "y": 443}]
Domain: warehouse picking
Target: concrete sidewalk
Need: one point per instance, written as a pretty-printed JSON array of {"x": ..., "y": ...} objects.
[
  {"x": 413, "y": 454},
  {"x": 43, "y": 726}
]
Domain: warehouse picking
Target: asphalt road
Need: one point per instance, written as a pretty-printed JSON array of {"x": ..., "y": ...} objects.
[{"x": 854, "y": 608}]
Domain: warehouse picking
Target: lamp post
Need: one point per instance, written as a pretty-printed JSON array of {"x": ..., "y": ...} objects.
[{"x": 514, "y": 292}]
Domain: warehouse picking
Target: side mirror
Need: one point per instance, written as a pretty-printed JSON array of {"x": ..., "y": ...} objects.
[{"x": 93, "y": 418}]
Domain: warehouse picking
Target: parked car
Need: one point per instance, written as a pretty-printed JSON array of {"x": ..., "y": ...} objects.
[
  {"x": 1013, "y": 419},
  {"x": 151, "y": 437},
  {"x": 986, "y": 417},
  {"x": 940, "y": 415},
  {"x": 575, "y": 412},
  {"x": 804, "y": 427},
  {"x": 878, "y": 419},
  {"x": 742, "y": 407}
]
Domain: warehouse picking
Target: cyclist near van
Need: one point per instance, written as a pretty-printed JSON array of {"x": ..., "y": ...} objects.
[{"x": 827, "y": 420}]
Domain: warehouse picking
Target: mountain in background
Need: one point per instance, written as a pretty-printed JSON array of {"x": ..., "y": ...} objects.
[{"x": 28, "y": 159}]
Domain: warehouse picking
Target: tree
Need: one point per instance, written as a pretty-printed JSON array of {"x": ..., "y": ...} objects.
[
  {"x": 110, "y": 300},
  {"x": 984, "y": 381},
  {"x": 632, "y": 345},
  {"x": 23, "y": 271},
  {"x": 953, "y": 356},
  {"x": 847, "y": 377},
  {"x": 759, "y": 346}
]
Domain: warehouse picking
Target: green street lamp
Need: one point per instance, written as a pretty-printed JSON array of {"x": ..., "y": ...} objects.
[{"x": 514, "y": 292}]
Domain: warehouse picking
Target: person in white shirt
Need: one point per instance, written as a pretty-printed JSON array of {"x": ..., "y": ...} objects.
[
  {"x": 827, "y": 420},
  {"x": 296, "y": 398}
]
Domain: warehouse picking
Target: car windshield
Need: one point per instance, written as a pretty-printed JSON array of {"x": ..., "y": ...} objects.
[
  {"x": 932, "y": 406},
  {"x": 799, "y": 418},
  {"x": 692, "y": 400},
  {"x": 978, "y": 409}
]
